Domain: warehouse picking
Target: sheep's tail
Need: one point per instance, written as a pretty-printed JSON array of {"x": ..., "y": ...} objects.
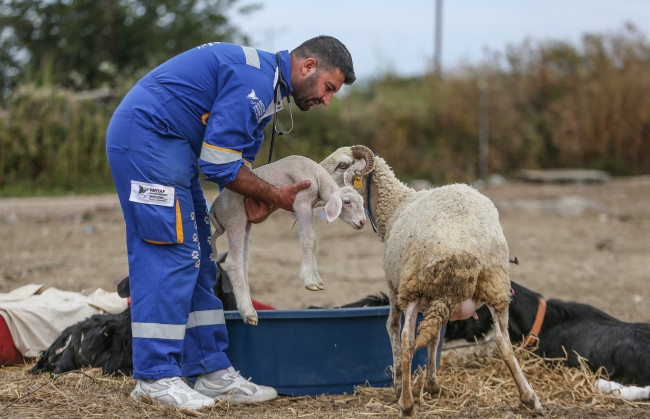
[{"x": 429, "y": 327}]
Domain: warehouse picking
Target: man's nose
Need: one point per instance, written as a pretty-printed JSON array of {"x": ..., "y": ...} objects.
[{"x": 327, "y": 98}]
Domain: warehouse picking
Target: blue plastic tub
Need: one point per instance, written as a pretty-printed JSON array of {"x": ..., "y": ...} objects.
[{"x": 316, "y": 351}]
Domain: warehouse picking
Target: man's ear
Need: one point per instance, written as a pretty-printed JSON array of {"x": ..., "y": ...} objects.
[{"x": 308, "y": 66}]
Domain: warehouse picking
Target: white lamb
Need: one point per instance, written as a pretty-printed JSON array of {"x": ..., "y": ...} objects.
[
  {"x": 445, "y": 255},
  {"x": 227, "y": 214}
]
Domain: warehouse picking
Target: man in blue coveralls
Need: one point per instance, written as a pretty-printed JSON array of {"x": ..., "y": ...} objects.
[{"x": 205, "y": 108}]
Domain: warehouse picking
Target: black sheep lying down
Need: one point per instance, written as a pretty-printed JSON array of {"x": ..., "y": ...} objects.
[
  {"x": 102, "y": 340},
  {"x": 579, "y": 329}
]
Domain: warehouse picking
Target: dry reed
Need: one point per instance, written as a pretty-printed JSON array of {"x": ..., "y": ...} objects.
[{"x": 474, "y": 384}]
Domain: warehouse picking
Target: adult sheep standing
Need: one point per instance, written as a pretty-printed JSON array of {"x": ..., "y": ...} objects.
[{"x": 445, "y": 256}]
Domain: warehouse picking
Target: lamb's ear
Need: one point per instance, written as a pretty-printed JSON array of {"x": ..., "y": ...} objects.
[{"x": 333, "y": 208}]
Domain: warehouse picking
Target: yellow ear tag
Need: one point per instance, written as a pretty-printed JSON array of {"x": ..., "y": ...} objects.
[{"x": 357, "y": 182}]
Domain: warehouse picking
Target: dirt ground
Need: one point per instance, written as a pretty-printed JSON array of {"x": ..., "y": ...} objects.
[{"x": 582, "y": 242}]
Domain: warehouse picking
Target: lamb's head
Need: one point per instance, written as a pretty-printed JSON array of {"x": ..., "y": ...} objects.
[
  {"x": 346, "y": 203},
  {"x": 347, "y": 163}
]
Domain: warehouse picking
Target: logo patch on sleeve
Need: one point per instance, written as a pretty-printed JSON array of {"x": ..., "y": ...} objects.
[
  {"x": 256, "y": 104},
  {"x": 148, "y": 193}
]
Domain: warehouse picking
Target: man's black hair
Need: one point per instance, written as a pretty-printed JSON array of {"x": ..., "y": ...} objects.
[{"x": 330, "y": 54}]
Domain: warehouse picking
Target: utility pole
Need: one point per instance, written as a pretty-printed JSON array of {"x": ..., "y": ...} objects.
[
  {"x": 437, "y": 68},
  {"x": 484, "y": 129}
]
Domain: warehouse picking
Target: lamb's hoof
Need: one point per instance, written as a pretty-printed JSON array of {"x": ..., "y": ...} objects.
[
  {"x": 252, "y": 320},
  {"x": 321, "y": 286},
  {"x": 313, "y": 287}
]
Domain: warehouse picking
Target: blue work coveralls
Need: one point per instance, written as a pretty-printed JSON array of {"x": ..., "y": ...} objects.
[{"x": 207, "y": 108}]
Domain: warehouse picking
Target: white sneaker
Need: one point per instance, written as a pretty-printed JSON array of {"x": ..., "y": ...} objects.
[
  {"x": 229, "y": 384},
  {"x": 172, "y": 391}
]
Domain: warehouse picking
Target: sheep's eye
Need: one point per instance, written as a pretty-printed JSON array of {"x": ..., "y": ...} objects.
[
  {"x": 343, "y": 165},
  {"x": 346, "y": 202}
]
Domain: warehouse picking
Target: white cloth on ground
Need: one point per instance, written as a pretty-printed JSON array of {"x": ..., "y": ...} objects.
[{"x": 36, "y": 317}]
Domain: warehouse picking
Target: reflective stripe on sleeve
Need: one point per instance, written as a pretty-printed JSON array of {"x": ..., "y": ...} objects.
[
  {"x": 205, "y": 318},
  {"x": 218, "y": 155},
  {"x": 252, "y": 57}
]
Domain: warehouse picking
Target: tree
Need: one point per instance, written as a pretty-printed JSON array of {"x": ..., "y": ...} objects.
[{"x": 86, "y": 44}]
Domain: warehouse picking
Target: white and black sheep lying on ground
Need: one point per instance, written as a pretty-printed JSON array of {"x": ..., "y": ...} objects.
[
  {"x": 566, "y": 330},
  {"x": 445, "y": 255},
  {"x": 227, "y": 214}
]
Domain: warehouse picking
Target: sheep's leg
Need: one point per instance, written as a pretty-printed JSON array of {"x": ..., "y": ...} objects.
[
  {"x": 526, "y": 393},
  {"x": 434, "y": 314},
  {"x": 406, "y": 403},
  {"x": 308, "y": 268},
  {"x": 234, "y": 265},
  {"x": 393, "y": 327},
  {"x": 431, "y": 383}
]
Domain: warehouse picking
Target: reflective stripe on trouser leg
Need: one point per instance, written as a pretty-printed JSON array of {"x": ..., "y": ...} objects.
[{"x": 206, "y": 337}]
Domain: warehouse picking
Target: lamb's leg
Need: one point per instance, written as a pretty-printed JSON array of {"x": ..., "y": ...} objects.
[
  {"x": 234, "y": 265},
  {"x": 526, "y": 393},
  {"x": 405, "y": 403},
  {"x": 393, "y": 327},
  {"x": 308, "y": 268},
  {"x": 217, "y": 231},
  {"x": 246, "y": 254}
]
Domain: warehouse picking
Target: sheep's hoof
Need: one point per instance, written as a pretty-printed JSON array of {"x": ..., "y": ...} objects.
[
  {"x": 321, "y": 287},
  {"x": 534, "y": 405},
  {"x": 432, "y": 387},
  {"x": 251, "y": 320},
  {"x": 398, "y": 391},
  {"x": 407, "y": 411},
  {"x": 313, "y": 287}
]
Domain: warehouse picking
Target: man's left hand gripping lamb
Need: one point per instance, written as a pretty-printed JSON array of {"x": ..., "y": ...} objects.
[{"x": 228, "y": 214}]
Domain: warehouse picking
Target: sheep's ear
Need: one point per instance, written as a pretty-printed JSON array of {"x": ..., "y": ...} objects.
[
  {"x": 333, "y": 208},
  {"x": 351, "y": 173}
]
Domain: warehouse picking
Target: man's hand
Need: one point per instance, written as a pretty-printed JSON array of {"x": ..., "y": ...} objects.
[
  {"x": 257, "y": 211},
  {"x": 260, "y": 197},
  {"x": 288, "y": 194}
]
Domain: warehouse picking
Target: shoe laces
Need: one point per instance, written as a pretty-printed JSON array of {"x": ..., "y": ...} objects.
[
  {"x": 236, "y": 377},
  {"x": 177, "y": 384}
]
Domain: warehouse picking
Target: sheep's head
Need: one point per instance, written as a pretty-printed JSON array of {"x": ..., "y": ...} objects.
[
  {"x": 346, "y": 204},
  {"x": 349, "y": 163}
]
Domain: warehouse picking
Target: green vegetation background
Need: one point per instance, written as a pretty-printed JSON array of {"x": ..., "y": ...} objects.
[{"x": 544, "y": 105}]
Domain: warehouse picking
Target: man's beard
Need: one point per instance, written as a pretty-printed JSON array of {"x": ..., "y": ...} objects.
[{"x": 305, "y": 91}]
